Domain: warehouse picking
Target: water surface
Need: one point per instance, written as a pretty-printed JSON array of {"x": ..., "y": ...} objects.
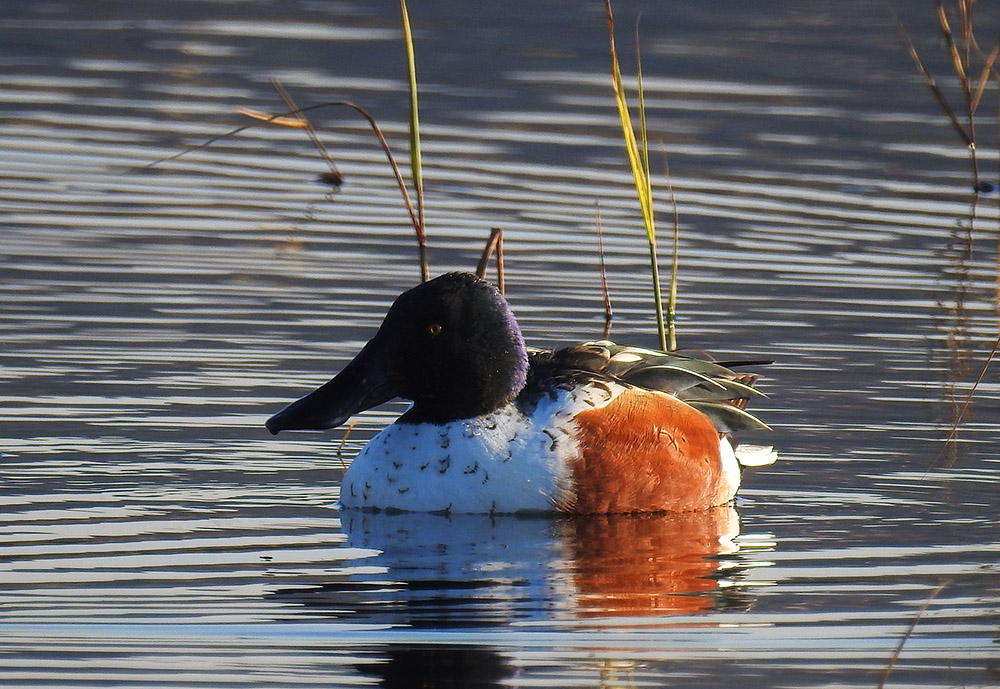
[{"x": 154, "y": 533}]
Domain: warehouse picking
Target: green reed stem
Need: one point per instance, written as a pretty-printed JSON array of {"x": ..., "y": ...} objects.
[
  {"x": 639, "y": 162},
  {"x": 416, "y": 166}
]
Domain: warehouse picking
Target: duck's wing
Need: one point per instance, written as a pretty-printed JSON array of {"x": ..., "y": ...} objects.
[{"x": 713, "y": 388}]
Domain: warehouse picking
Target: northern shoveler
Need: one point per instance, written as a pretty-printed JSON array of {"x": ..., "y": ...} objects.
[{"x": 496, "y": 427}]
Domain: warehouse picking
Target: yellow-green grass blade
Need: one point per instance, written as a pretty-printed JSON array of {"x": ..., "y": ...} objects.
[
  {"x": 416, "y": 165},
  {"x": 639, "y": 162},
  {"x": 643, "y": 137},
  {"x": 669, "y": 340},
  {"x": 631, "y": 146}
]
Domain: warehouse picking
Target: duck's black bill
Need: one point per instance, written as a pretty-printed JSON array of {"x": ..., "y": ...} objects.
[{"x": 364, "y": 383}]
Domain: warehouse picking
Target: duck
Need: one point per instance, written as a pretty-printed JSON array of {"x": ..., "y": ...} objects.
[{"x": 497, "y": 427}]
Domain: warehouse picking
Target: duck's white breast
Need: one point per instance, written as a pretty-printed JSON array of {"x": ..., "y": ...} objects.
[{"x": 501, "y": 463}]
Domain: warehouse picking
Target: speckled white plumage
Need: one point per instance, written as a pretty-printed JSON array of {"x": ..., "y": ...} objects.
[{"x": 502, "y": 462}]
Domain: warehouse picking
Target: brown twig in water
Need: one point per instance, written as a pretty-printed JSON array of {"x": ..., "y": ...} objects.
[
  {"x": 909, "y": 633},
  {"x": 340, "y": 448},
  {"x": 960, "y": 63},
  {"x": 929, "y": 79},
  {"x": 608, "y": 315},
  {"x": 960, "y": 51},
  {"x": 333, "y": 178},
  {"x": 953, "y": 434},
  {"x": 984, "y": 77},
  {"x": 263, "y": 118},
  {"x": 493, "y": 244}
]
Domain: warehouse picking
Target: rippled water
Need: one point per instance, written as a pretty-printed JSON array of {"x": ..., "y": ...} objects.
[{"x": 153, "y": 533}]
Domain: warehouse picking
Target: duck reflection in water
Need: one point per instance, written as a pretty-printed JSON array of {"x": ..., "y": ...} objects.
[
  {"x": 429, "y": 572},
  {"x": 437, "y": 571}
]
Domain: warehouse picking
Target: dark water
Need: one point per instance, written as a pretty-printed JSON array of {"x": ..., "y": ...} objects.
[{"x": 153, "y": 534}]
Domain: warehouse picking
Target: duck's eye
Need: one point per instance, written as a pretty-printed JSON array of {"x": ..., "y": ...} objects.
[{"x": 434, "y": 329}]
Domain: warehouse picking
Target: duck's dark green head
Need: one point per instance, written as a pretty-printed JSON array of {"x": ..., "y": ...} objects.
[{"x": 451, "y": 345}]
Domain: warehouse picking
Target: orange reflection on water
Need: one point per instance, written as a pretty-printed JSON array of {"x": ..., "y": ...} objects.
[{"x": 662, "y": 564}]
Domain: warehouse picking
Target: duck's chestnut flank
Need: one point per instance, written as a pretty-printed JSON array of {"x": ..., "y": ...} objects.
[
  {"x": 669, "y": 450},
  {"x": 586, "y": 429}
]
